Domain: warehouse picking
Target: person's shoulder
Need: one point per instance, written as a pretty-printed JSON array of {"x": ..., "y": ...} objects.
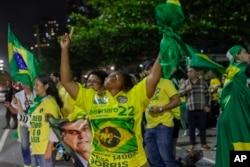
[
  {"x": 49, "y": 101},
  {"x": 140, "y": 86},
  {"x": 143, "y": 81},
  {"x": 166, "y": 81},
  {"x": 204, "y": 83},
  {"x": 215, "y": 80},
  {"x": 218, "y": 81},
  {"x": 60, "y": 87}
]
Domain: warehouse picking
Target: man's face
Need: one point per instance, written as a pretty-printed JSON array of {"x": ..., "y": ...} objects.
[
  {"x": 148, "y": 70},
  {"x": 77, "y": 135},
  {"x": 192, "y": 73}
]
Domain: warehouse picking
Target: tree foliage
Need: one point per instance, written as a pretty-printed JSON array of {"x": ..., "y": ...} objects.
[
  {"x": 125, "y": 31},
  {"x": 50, "y": 58},
  {"x": 216, "y": 25}
]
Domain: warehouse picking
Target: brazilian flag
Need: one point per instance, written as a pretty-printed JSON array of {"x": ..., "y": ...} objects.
[
  {"x": 234, "y": 125},
  {"x": 114, "y": 135},
  {"x": 169, "y": 17},
  {"x": 202, "y": 61},
  {"x": 24, "y": 66}
]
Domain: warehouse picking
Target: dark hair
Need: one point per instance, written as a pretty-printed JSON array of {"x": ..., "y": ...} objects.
[
  {"x": 147, "y": 64},
  {"x": 247, "y": 72},
  {"x": 195, "y": 68},
  {"x": 127, "y": 81},
  {"x": 99, "y": 73},
  {"x": 56, "y": 74},
  {"x": 52, "y": 90}
]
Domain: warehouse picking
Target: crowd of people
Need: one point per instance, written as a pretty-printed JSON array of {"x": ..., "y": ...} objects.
[{"x": 117, "y": 119}]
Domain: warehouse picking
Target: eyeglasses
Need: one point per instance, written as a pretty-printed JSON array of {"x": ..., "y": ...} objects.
[{"x": 90, "y": 82}]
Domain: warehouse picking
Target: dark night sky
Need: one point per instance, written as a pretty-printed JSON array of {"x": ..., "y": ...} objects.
[{"x": 22, "y": 15}]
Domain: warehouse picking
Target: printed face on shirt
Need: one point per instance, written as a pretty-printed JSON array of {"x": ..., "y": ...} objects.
[{"x": 77, "y": 135}]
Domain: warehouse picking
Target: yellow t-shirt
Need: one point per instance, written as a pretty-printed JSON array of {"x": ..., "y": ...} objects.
[
  {"x": 39, "y": 129},
  {"x": 116, "y": 125},
  {"x": 183, "y": 99},
  {"x": 165, "y": 89},
  {"x": 67, "y": 107},
  {"x": 214, "y": 85}
]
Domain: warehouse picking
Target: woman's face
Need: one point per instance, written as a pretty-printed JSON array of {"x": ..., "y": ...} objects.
[
  {"x": 243, "y": 56},
  {"x": 40, "y": 88},
  {"x": 94, "y": 82},
  {"x": 114, "y": 81}
]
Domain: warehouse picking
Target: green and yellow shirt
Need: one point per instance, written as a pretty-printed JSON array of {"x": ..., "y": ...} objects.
[
  {"x": 39, "y": 129},
  {"x": 116, "y": 125},
  {"x": 164, "y": 91}
]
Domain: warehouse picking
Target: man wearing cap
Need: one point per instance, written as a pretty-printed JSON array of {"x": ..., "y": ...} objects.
[
  {"x": 234, "y": 125},
  {"x": 147, "y": 65},
  {"x": 162, "y": 109}
]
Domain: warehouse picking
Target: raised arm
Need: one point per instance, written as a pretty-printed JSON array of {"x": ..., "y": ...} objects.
[
  {"x": 154, "y": 77},
  {"x": 65, "y": 71}
]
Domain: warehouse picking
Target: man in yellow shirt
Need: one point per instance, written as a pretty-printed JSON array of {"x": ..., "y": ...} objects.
[
  {"x": 215, "y": 84},
  {"x": 159, "y": 132}
]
